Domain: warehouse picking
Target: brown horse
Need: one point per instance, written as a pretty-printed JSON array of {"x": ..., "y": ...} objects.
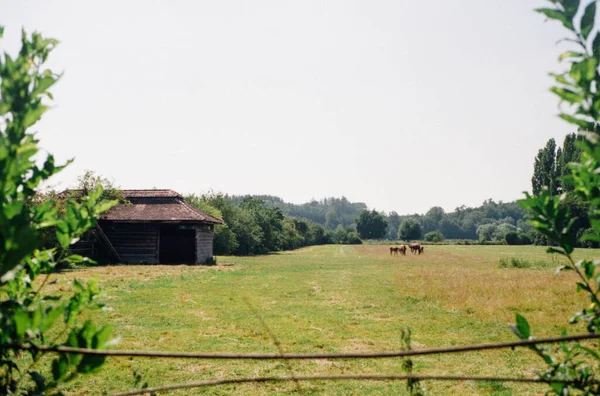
[
  {"x": 421, "y": 250},
  {"x": 414, "y": 248},
  {"x": 393, "y": 250},
  {"x": 402, "y": 250}
]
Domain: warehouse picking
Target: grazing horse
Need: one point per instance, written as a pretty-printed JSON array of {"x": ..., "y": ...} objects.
[
  {"x": 393, "y": 250},
  {"x": 421, "y": 250},
  {"x": 402, "y": 250},
  {"x": 414, "y": 248}
]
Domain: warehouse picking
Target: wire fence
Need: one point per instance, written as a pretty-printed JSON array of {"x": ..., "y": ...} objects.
[{"x": 295, "y": 356}]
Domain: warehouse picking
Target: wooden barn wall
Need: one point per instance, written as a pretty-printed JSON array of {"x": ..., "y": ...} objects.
[
  {"x": 136, "y": 243},
  {"x": 204, "y": 243}
]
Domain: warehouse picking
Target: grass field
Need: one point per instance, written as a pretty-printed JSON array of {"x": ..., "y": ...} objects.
[{"x": 332, "y": 299}]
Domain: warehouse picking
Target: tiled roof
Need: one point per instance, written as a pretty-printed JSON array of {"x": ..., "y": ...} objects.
[
  {"x": 161, "y": 209},
  {"x": 150, "y": 194}
]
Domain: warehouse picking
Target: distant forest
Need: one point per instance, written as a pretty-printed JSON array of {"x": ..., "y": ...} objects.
[
  {"x": 502, "y": 222},
  {"x": 328, "y": 212},
  {"x": 463, "y": 223}
]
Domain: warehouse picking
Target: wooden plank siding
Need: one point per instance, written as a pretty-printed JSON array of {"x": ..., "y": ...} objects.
[
  {"x": 136, "y": 243},
  {"x": 204, "y": 243}
]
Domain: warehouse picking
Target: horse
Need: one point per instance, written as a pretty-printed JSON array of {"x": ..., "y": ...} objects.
[
  {"x": 402, "y": 250},
  {"x": 421, "y": 250},
  {"x": 394, "y": 250},
  {"x": 414, "y": 247}
]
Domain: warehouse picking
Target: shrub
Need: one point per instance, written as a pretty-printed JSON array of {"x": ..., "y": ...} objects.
[
  {"x": 28, "y": 315},
  {"x": 512, "y": 238},
  {"x": 353, "y": 239},
  {"x": 434, "y": 236},
  {"x": 517, "y": 238}
]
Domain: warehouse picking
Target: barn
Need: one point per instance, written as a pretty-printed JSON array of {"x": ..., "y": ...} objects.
[{"x": 156, "y": 226}]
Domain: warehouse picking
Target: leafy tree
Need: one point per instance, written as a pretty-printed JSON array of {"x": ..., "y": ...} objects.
[
  {"x": 91, "y": 181},
  {"x": 28, "y": 316},
  {"x": 393, "y": 221},
  {"x": 551, "y": 165},
  {"x": 224, "y": 240},
  {"x": 201, "y": 203},
  {"x": 450, "y": 228},
  {"x": 544, "y": 169},
  {"x": 252, "y": 227},
  {"x": 270, "y": 221},
  {"x": 409, "y": 230},
  {"x": 328, "y": 212},
  {"x": 371, "y": 225},
  {"x": 432, "y": 218},
  {"x": 569, "y": 153},
  {"x": 487, "y": 232}
]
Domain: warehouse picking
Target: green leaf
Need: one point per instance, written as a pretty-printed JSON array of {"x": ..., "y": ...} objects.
[
  {"x": 103, "y": 206},
  {"x": 102, "y": 337},
  {"x": 557, "y": 15},
  {"x": 60, "y": 367},
  {"x": 584, "y": 70},
  {"x": 555, "y": 250},
  {"x": 591, "y": 237},
  {"x": 577, "y": 121},
  {"x": 32, "y": 116},
  {"x": 587, "y": 20},
  {"x": 582, "y": 286},
  {"x": 43, "y": 84},
  {"x": 565, "y": 55},
  {"x": 562, "y": 268},
  {"x": 589, "y": 269},
  {"x": 52, "y": 314},
  {"x": 1, "y": 31},
  {"x": 567, "y": 95},
  {"x": 22, "y": 322},
  {"x": 596, "y": 45},
  {"x": 76, "y": 259},
  {"x": 523, "y": 326}
]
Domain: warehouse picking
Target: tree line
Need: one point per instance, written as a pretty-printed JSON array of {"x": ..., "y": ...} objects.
[
  {"x": 260, "y": 224},
  {"x": 252, "y": 225},
  {"x": 492, "y": 221},
  {"x": 328, "y": 212}
]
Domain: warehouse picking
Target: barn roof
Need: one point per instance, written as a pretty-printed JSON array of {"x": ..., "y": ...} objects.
[
  {"x": 155, "y": 193},
  {"x": 155, "y": 205},
  {"x": 159, "y": 209}
]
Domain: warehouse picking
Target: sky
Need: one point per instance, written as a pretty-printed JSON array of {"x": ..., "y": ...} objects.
[{"x": 403, "y": 105}]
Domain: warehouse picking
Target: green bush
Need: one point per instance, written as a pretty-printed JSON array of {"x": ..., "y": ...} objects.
[
  {"x": 353, "y": 239},
  {"x": 29, "y": 315},
  {"x": 517, "y": 238},
  {"x": 434, "y": 236}
]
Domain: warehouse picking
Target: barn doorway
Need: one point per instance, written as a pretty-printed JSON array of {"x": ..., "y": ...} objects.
[{"x": 177, "y": 245}]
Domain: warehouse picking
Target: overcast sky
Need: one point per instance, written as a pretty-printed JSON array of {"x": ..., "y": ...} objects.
[{"x": 403, "y": 105}]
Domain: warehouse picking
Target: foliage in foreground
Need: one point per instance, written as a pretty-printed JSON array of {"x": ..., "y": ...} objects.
[
  {"x": 579, "y": 88},
  {"x": 27, "y": 315}
]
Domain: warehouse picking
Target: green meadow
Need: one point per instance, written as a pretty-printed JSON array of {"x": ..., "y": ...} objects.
[{"x": 333, "y": 298}]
